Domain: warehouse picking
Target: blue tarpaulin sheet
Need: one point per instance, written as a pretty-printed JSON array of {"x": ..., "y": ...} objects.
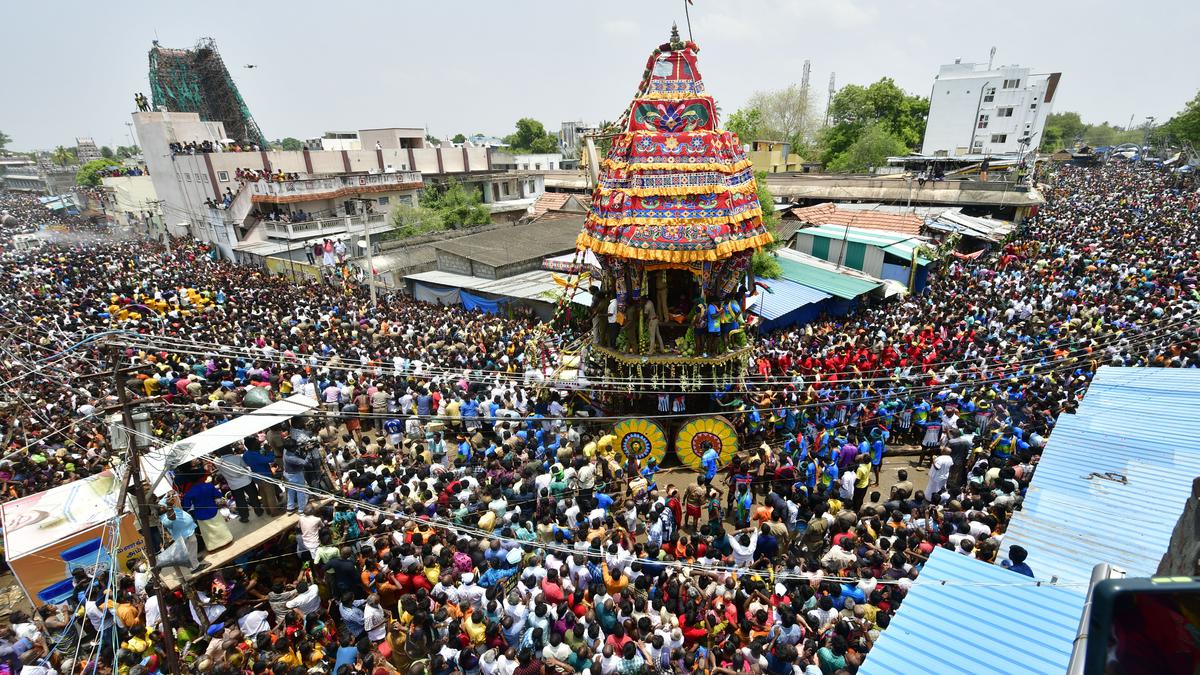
[{"x": 476, "y": 302}]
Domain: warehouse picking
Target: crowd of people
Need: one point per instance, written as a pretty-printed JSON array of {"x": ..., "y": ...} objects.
[
  {"x": 456, "y": 514},
  {"x": 207, "y": 146},
  {"x": 244, "y": 176},
  {"x": 123, "y": 171}
]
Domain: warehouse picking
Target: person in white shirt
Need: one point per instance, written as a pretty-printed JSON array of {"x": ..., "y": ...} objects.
[
  {"x": 743, "y": 544},
  {"x": 939, "y": 474},
  {"x": 308, "y": 601},
  {"x": 374, "y": 619},
  {"x": 252, "y": 622}
]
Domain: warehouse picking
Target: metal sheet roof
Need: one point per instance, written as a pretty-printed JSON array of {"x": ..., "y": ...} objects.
[
  {"x": 991, "y": 622},
  {"x": 1128, "y": 456},
  {"x": 954, "y": 220},
  {"x": 899, "y": 245},
  {"x": 823, "y": 276},
  {"x": 784, "y": 297},
  {"x": 532, "y": 285}
]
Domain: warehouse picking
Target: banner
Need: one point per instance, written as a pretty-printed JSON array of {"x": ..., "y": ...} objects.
[
  {"x": 435, "y": 295},
  {"x": 49, "y": 534}
]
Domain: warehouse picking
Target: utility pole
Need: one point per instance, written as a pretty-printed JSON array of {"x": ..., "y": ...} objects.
[
  {"x": 133, "y": 476},
  {"x": 370, "y": 257}
]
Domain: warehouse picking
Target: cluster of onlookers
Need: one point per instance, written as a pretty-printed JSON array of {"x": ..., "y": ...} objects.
[{"x": 457, "y": 513}]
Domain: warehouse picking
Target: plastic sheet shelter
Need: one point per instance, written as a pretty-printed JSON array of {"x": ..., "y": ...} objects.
[{"x": 157, "y": 465}]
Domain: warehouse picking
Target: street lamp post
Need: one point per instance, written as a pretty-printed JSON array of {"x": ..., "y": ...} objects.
[{"x": 1146, "y": 138}]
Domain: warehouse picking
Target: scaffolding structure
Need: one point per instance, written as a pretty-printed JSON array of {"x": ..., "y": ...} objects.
[{"x": 196, "y": 80}]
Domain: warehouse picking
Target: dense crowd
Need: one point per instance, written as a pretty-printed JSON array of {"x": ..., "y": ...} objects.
[
  {"x": 207, "y": 146},
  {"x": 455, "y": 514}
]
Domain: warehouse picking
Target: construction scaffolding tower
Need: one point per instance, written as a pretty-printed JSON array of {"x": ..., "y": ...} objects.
[{"x": 196, "y": 80}]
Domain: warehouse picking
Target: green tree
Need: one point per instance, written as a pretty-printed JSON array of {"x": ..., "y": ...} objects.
[
  {"x": 410, "y": 221},
  {"x": 127, "y": 151},
  {"x": 5, "y": 139},
  {"x": 290, "y": 143},
  {"x": 747, "y": 123},
  {"x": 1099, "y": 135},
  {"x": 786, "y": 115},
  {"x": 763, "y": 262},
  {"x": 455, "y": 205},
  {"x": 61, "y": 156},
  {"x": 459, "y": 138},
  {"x": 1184, "y": 126},
  {"x": 855, "y": 109},
  {"x": 89, "y": 174},
  {"x": 872, "y": 148},
  {"x": 531, "y": 138},
  {"x": 106, "y": 152},
  {"x": 1062, "y": 131}
]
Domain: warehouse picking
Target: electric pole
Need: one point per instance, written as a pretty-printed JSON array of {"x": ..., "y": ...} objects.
[
  {"x": 133, "y": 477},
  {"x": 370, "y": 257}
]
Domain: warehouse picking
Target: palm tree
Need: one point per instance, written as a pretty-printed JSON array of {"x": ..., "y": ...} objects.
[{"x": 61, "y": 156}]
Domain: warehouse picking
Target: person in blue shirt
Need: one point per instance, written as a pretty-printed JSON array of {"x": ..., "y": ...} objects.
[
  {"x": 1016, "y": 561},
  {"x": 182, "y": 528},
  {"x": 709, "y": 463},
  {"x": 260, "y": 462}
]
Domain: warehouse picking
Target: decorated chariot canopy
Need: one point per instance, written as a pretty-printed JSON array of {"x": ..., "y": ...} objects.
[
  {"x": 674, "y": 187},
  {"x": 674, "y": 223}
]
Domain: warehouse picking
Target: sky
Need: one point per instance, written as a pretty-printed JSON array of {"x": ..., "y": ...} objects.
[{"x": 71, "y": 68}]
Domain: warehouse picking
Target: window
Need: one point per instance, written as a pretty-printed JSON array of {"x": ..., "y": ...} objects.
[
  {"x": 223, "y": 176},
  {"x": 538, "y": 166},
  {"x": 1012, "y": 84},
  {"x": 187, "y": 177},
  {"x": 999, "y": 138},
  {"x": 383, "y": 201},
  {"x": 1033, "y": 106},
  {"x": 407, "y": 200},
  {"x": 983, "y": 120},
  {"x": 1004, "y": 112},
  {"x": 504, "y": 188},
  {"x": 989, "y": 94}
]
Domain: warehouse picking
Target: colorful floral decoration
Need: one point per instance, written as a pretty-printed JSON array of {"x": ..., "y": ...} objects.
[
  {"x": 674, "y": 188},
  {"x": 699, "y": 434},
  {"x": 640, "y": 439}
]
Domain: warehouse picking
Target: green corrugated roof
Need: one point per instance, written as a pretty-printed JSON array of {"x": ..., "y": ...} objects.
[
  {"x": 829, "y": 281},
  {"x": 897, "y": 245}
]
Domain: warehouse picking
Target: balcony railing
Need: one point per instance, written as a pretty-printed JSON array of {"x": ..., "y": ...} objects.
[
  {"x": 323, "y": 186},
  {"x": 325, "y": 226}
]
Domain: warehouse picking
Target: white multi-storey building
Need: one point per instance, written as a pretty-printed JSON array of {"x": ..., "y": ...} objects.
[{"x": 974, "y": 109}]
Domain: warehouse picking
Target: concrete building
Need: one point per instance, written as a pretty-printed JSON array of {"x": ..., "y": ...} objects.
[
  {"x": 328, "y": 186},
  {"x": 86, "y": 150},
  {"x": 335, "y": 141},
  {"x": 975, "y": 109},
  {"x": 571, "y": 137},
  {"x": 550, "y": 161},
  {"x": 392, "y": 138},
  {"x": 133, "y": 202},
  {"x": 21, "y": 174},
  {"x": 774, "y": 157}
]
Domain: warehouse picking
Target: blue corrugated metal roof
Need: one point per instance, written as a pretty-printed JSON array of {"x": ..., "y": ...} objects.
[
  {"x": 1136, "y": 423},
  {"x": 785, "y": 296},
  {"x": 997, "y": 622}
]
